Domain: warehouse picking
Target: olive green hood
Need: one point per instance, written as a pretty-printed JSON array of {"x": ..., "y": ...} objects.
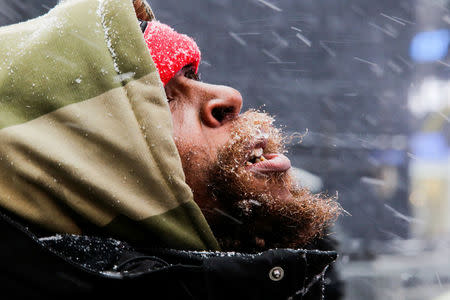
[{"x": 86, "y": 131}]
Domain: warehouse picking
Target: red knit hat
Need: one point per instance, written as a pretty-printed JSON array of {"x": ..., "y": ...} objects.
[{"x": 170, "y": 50}]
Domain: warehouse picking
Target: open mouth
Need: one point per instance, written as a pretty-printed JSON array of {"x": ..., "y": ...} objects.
[
  {"x": 261, "y": 162},
  {"x": 256, "y": 156}
]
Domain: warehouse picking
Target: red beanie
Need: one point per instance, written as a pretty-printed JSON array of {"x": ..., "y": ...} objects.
[{"x": 170, "y": 50}]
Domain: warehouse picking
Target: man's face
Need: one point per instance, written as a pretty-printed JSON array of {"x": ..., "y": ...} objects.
[{"x": 235, "y": 166}]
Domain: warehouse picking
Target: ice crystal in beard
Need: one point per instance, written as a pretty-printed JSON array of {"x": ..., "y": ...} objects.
[
  {"x": 272, "y": 211},
  {"x": 252, "y": 127}
]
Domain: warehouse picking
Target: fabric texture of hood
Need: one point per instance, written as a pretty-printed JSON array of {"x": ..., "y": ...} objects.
[{"x": 86, "y": 131}]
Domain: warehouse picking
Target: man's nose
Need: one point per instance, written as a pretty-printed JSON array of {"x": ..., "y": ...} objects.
[{"x": 222, "y": 106}]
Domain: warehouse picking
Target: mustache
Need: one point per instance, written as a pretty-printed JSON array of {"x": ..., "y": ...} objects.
[
  {"x": 253, "y": 128},
  {"x": 248, "y": 131}
]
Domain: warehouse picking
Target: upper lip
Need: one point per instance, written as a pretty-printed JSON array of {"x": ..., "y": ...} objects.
[{"x": 260, "y": 143}]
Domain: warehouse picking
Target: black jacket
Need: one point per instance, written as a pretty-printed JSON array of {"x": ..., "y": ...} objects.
[{"x": 70, "y": 267}]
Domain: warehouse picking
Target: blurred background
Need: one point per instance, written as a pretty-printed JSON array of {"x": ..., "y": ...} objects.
[{"x": 363, "y": 88}]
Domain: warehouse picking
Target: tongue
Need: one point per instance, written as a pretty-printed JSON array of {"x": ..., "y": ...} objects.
[{"x": 274, "y": 162}]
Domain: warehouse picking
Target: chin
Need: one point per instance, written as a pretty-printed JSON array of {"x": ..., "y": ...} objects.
[{"x": 264, "y": 213}]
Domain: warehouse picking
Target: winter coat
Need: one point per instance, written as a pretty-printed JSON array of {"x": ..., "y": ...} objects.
[
  {"x": 73, "y": 266},
  {"x": 86, "y": 150}
]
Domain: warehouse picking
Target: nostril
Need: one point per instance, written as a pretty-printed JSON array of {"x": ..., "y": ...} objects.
[
  {"x": 223, "y": 113},
  {"x": 221, "y": 106}
]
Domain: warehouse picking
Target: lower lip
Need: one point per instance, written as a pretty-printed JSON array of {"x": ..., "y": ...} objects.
[{"x": 275, "y": 162}]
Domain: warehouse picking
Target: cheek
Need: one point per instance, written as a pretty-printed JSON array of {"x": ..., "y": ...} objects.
[
  {"x": 194, "y": 140},
  {"x": 182, "y": 120},
  {"x": 194, "y": 153},
  {"x": 186, "y": 131}
]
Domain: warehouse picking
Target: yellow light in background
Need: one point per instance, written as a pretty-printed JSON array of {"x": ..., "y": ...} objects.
[{"x": 417, "y": 198}]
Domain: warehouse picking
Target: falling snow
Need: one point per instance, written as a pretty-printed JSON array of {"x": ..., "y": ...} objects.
[{"x": 378, "y": 120}]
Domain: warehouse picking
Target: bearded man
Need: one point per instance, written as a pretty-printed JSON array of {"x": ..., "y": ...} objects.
[{"x": 107, "y": 132}]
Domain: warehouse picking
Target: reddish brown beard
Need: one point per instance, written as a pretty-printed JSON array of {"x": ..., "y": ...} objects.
[{"x": 261, "y": 211}]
